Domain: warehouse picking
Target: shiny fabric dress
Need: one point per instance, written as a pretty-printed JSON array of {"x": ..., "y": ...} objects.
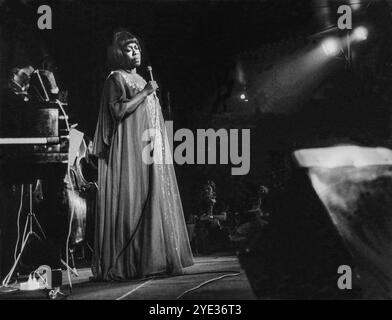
[{"x": 140, "y": 227}]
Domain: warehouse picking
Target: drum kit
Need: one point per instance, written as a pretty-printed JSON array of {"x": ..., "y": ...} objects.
[{"x": 49, "y": 139}]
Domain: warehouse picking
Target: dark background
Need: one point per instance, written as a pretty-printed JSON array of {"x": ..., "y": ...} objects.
[
  {"x": 189, "y": 43},
  {"x": 192, "y": 45}
]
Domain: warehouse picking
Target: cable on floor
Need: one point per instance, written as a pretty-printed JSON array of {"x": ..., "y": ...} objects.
[{"x": 207, "y": 282}]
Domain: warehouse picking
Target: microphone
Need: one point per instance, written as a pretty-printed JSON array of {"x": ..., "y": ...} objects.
[{"x": 149, "y": 69}]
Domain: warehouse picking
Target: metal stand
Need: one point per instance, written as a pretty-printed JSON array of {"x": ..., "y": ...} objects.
[{"x": 31, "y": 218}]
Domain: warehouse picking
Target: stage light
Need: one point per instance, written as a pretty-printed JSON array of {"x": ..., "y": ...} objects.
[
  {"x": 331, "y": 47},
  {"x": 360, "y": 33},
  {"x": 243, "y": 96},
  {"x": 355, "y": 5}
]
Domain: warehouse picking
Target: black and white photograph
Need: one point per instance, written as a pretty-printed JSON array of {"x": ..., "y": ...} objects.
[{"x": 195, "y": 155}]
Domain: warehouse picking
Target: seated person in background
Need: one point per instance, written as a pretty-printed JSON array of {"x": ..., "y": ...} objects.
[
  {"x": 252, "y": 220},
  {"x": 19, "y": 83},
  {"x": 214, "y": 220},
  {"x": 16, "y": 99},
  {"x": 212, "y": 234}
]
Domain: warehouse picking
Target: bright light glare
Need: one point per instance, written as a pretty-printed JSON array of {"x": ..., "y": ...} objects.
[
  {"x": 330, "y": 47},
  {"x": 343, "y": 156},
  {"x": 355, "y": 4},
  {"x": 361, "y": 33},
  {"x": 242, "y": 96}
]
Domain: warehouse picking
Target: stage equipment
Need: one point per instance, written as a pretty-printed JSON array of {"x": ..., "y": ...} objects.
[
  {"x": 44, "y": 86},
  {"x": 331, "y": 46},
  {"x": 360, "y": 33},
  {"x": 82, "y": 178},
  {"x": 44, "y": 278},
  {"x": 42, "y": 139},
  {"x": 297, "y": 254},
  {"x": 355, "y": 185},
  {"x": 43, "y": 136},
  {"x": 31, "y": 219}
]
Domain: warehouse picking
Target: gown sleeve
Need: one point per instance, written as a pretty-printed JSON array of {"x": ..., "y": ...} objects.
[
  {"x": 120, "y": 94},
  {"x": 114, "y": 108}
]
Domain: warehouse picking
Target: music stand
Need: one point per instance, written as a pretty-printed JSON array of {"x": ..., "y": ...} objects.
[{"x": 30, "y": 219}]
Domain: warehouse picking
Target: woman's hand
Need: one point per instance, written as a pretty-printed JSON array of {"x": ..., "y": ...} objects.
[{"x": 150, "y": 87}]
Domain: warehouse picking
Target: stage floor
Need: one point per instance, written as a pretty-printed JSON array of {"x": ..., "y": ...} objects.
[{"x": 233, "y": 287}]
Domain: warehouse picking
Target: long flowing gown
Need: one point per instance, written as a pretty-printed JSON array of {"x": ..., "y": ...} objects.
[{"x": 140, "y": 227}]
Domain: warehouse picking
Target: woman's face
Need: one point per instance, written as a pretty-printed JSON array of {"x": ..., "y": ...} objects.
[{"x": 132, "y": 50}]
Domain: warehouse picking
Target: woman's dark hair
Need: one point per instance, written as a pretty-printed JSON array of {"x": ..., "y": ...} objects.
[{"x": 117, "y": 59}]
